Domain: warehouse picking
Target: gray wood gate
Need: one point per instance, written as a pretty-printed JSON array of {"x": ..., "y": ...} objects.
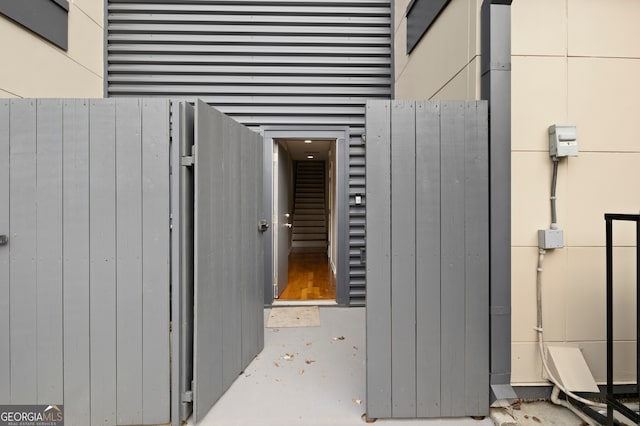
[
  {"x": 84, "y": 278},
  {"x": 228, "y": 253},
  {"x": 428, "y": 259}
]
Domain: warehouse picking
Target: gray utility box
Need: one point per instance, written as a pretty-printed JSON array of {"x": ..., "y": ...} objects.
[{"x": 550, "y": 238}]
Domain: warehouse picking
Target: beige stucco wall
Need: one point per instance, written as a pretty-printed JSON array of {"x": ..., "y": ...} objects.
[
  {"x": 34, "y": 67},
  {"x": 446, "y": 63},
  {"x": 573, "y": 61},
  {"x": 581, "y": 66}
]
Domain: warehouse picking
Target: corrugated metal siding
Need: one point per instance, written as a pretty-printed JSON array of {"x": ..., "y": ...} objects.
[{"x": 263, "y": 62}]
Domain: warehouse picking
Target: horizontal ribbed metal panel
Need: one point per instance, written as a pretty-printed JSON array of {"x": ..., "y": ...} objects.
[{"x": 264, "y": 62}]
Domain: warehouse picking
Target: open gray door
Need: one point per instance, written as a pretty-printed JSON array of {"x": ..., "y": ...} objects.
[
  {"x": 228, "y": 277},
  {"x": 281, "y": 218}
]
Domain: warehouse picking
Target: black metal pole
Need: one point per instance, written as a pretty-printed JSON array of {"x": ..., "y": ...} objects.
[
  {"x": 609, "y": 237},
  {"x": 638, "y": 307}
]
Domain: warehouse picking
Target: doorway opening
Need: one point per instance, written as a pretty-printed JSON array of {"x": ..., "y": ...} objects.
[
  {"x": 304, "y": 201},
  {"x": 305, "y": 256}
]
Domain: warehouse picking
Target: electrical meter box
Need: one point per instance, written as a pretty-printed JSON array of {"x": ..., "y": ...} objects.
[{"x": 563, "y": 141}]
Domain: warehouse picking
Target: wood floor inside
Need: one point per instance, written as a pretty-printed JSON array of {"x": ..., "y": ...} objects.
[{"x": 310, "y": 278}]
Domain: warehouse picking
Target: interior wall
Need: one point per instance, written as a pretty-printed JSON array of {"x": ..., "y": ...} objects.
[
  {"x": 33, "y": 67},
  {"x": 445, "y": 64},
  {"x": 582, "y": 69}
]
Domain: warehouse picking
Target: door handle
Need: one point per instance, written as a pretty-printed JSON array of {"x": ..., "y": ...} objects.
[
  {"x": 4, "y": 240},
  {"x": 263, "y": 225}
]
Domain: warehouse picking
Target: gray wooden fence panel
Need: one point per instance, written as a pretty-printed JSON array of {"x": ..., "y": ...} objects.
[
  {"x": 476, "y": 264},
  {"x": 5, "y": 352},
  {"x": 208, "y": 260},
  {"x": 403, "y": 271},
  {"x": 378, "y": 313},
  {"x": 428, "y": 253},
  {"x": 49, "y": 256},
  {"x": 155, "y": 261},
  {"x": 129, "y": 260},
  {"x": 102, "y": 248},
  {"x": 23, "y": 291},
  {"x": 72, "y": 199},
  {"x": 452, "y": 261},
  {"x": 75, "y": 243},
  {"x": 427, "y": 185}
]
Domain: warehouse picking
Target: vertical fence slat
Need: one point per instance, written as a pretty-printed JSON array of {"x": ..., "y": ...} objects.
[
  {"x": 49, "y": 250},
  {"x": 257, "y": 150},
  {"x": 378, "y": 216},
  {"x": 249, "y": 235},
  {"x": 231, "y": 308},
  {"x": 452, "y": 269},
  {"x": 5, "y": 349},
  {"x": 476, "y": 260},
  {"x": 155, "y": 263},
  {"x": 403, "y": 243},
  {"x": 428, "y": 259},
  {"x": 75, "y": 243},
  {"x": 245, "y": 243},
  {"x": 129, "y": 260},
  {"x": 22, "y": 215},
  {"x": 102, "y": 247}
]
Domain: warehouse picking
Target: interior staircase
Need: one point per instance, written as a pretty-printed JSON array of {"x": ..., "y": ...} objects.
[{"x": 309, "y": 232}]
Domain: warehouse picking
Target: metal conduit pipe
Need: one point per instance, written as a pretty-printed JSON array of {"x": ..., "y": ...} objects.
[
  {"x": 539, "y": 331},
  {"x": 554, "y": 181},
  {"x": 556, "y": 400}
]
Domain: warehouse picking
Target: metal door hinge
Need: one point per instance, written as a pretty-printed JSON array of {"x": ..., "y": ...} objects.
[
  {"x": 189, "y": 160},
  {"x": 187, "y": 396}
]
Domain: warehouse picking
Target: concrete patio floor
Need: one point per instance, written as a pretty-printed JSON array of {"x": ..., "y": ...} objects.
[{"x": 309, "y": 376}]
